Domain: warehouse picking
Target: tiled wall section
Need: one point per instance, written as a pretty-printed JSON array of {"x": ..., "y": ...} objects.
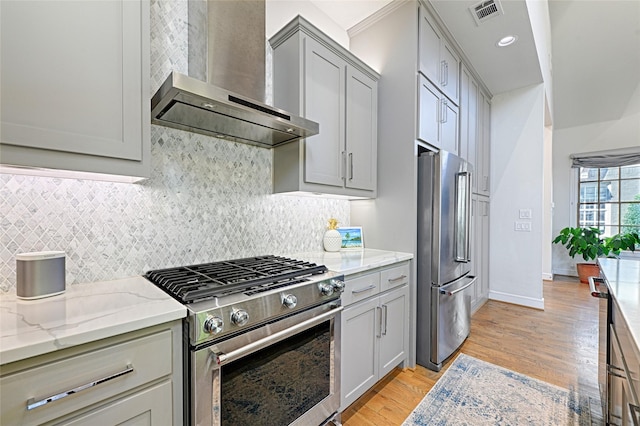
[{"x": 207, "y": 199}]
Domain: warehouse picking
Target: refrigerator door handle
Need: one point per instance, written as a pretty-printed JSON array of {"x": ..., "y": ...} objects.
[
  {"x": 463, "y": 217},
  {"x": 463, "y": 288}
]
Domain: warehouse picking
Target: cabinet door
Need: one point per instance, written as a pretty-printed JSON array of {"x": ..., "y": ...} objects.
[
  {"x": 324, "y": 84},
  {"x": 429, "y": 110},
  {"x": 468, "y": 118},
  {"x": 74, "y": 78},
  {"x": 450, "y": 81},
  {"x": 429, "y": 48},
  {"x": 438, "y": 61},
  {"x": 480, "y": 254},
  {"x": 393, "y": 333},
  {"x": 465, "y": 81},
  {"x": 359, "y": 354},
  {"x": 483, "y": 145},
  {"x": 449, "y": 126},
  {"x": 362, "y": 124},
  {"x": 473, "y": 132},
  {"x": 484, "y": 283},
  {"x": 151, "y": 407},
  {"x": 475, "y": 250},
  {"x": 486, "y": 145}
]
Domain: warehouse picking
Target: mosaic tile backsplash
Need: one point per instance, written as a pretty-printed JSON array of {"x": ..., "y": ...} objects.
[{"x": 206, "y": 200}]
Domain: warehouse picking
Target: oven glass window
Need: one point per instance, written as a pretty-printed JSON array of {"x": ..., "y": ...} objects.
[{"x": 276, "y": 385}]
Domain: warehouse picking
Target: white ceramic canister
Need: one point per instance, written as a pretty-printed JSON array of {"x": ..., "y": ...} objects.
[
  {"x": 332, "y": 240},
  {"x": 40, "y": 274}
]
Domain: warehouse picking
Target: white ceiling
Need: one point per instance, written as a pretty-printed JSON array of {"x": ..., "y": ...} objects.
[{"x": 595, "y": 50}]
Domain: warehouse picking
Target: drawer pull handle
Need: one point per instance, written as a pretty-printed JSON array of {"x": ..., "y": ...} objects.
[
  {"x": 32, "y": 403},
  {"x": 362, "y": 290},
  {"x": 401, "y": 277}
]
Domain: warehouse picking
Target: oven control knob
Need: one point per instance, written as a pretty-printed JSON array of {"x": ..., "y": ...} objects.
[
  {"x": 240, "y": 317},
  {"x": 290, "y": 301},
  {"x": 326, "y": 289},
  {"x": 338, "y": 285},
  {"x": 213, "y": 325}
]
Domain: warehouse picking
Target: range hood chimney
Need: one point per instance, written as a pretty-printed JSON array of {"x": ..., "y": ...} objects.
[{"x": 224, "y": 94}]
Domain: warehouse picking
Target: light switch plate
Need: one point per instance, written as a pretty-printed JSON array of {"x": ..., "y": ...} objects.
[
  {"x": 525, "y": 214},
  {"x": 523, "y": 226}
]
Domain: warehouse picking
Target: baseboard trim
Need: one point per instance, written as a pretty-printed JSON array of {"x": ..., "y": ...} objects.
[
  {"x": 517, "y": 300},
  {"x": 547, "y": 276},
  {"x": 570, "y": 272}
]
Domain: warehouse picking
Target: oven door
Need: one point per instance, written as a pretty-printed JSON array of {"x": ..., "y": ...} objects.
[{"x": 286, "y": 372}]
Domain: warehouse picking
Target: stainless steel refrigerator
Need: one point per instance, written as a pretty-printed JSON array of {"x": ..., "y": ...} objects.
[{"x": 443, "y": 257}]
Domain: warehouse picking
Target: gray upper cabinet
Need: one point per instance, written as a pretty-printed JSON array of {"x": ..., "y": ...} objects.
[
  {"x": 325, "y": 90},
  {"x": 475, "y": 130},
  {"x": 437, "y": 118},
  {"x": 320, "y": 80},
  {"x": 75, "y": 86},
  {"x": 437, "y": 60},
  {"x": 468, "y": 115},
  {"x": 483, "y": 147}
]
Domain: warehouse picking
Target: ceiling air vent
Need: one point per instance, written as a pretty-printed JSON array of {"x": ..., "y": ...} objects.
[{"x": 486, "y": 10}]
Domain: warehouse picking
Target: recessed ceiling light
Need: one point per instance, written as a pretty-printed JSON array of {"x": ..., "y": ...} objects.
[{"x": 507, "y": 41}]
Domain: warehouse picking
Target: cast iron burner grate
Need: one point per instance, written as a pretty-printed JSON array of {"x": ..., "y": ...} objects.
[{"x": 251, "y": 275}]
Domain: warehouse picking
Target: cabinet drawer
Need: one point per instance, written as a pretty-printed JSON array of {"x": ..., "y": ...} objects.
[
  {"x": 148, "y": 357},
  {"x": 630, "y": 355},
  {"x": 360, "y": 288},
  {"x": 394, "y": 277}
]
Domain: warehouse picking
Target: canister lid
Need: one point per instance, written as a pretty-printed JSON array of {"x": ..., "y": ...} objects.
[{"x": 39, "y": 255}]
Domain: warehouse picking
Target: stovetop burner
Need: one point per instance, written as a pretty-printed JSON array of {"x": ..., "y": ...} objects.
[{"x": 250, "y": 275}]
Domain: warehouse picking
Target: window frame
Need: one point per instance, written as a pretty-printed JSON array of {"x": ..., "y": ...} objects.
[{"x": 576, "y": 186}]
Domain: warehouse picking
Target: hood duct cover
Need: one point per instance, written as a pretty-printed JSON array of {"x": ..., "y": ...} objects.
[{"x": 229, "y": 104}]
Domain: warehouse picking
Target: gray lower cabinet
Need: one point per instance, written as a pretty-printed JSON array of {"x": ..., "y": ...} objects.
[
  {"x": 149, "y": 407},
  {"x": 480, "y": 250},
  {"x": 133, "y": 379},
  {"x": 75, "y": 86},
  {"x": 320, "y": 80},
  {"x": 623, "y": 373},
  {"x": 374, "y": 329}
]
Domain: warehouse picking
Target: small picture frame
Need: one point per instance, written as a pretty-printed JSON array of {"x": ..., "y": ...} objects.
[{"x": 352, "y": 238}]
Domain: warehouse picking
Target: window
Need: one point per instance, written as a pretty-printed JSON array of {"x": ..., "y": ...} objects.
[{"x": 609, "y": 199}]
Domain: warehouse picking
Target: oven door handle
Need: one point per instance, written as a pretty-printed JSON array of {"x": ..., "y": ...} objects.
[
  {"x": 223, "y": 358},
  {"x": 592, "y": 287}
]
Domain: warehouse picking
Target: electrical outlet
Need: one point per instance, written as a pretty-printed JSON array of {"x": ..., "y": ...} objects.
[
  {"x": 523, "y": 226},
  {"x": 525, "y": 214}
]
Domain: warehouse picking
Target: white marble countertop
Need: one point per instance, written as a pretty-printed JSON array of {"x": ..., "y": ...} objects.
[
  {"x": 623, "y": 279},
  {"x": 349, "y": 262},
  {"x": 84, "y": 313}
]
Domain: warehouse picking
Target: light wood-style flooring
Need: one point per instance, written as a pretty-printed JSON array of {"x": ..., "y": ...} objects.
[{"x": 558, "y": 345}]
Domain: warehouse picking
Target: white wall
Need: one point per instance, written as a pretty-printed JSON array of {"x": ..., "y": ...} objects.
[
  {"x": 517, "y": 126},
  {"x": 621, "y": 133},
  {"x": 280, "y": 12},
  {"x": 547, "y": 204},
  {"x": 541, "y": 28}
]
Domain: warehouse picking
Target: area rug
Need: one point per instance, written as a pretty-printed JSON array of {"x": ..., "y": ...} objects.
[{"x": 474, "y": 392}]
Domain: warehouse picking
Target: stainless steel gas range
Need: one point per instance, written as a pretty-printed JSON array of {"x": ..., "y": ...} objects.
[{"x": 262, "y": 340}]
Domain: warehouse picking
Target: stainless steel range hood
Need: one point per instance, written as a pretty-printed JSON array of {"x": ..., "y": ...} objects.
[{"x": 230, "y": 35}]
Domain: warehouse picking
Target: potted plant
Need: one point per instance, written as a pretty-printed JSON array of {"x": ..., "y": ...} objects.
[{"x": 590, "y": 244}]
